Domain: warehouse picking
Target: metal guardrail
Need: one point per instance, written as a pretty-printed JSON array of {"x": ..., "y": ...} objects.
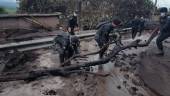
[
  {"x": 28, "y": 15},
  {"x": 41, "y": 43}
]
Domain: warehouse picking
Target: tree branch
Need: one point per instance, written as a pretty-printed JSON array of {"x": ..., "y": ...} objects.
[
  {"x": 87, "y": 54},
  {"x": 63, "y": 71}
]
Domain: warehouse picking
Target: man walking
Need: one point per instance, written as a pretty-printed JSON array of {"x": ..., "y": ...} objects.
[
  {"x": 72, "y": 24},
  {"x": 135, "y": 23}
]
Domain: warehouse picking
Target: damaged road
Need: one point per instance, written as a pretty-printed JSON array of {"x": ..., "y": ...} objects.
[
  {"x": 155, "y": 70},
  {"x": 123, "y": 80}
]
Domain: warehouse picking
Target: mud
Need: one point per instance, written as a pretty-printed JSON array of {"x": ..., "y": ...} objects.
[
  {"x": 74, "y": 85},
  {"x": 124, "y": 78},
  {"x": 154, "y": 70}
]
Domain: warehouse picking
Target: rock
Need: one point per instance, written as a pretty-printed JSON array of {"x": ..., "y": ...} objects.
[
  {"x": 80, "y": 94},
  {"x": 131, "y": 56},
  {"x": 125, "y": 84},
  {"x": 119, "y": 64},
  {"x": 126, "y": 76},
  {"x": 132, "y": 69},
  {"x": 143, "y": 54},
  {"x": 134, "y": 54},
  {"x": 124, "y": 69},
  {"x": 132, "y": 90},
  {"x": 119, "y": 87},
  {"x": 137, "y": 82},
  {"x": 134, "y": 62},
  {"x": 50, "y": 92},
  {"x": 1, "y": 91},
  {"x": 123, "y": 59},
  {"x": 124, "y": 56},
  {"x": 85, "y": 77},
  {"x": 139, "y": 94},
  {"x": 2, "y": 66},
  {"x": 77, "y": 62}
]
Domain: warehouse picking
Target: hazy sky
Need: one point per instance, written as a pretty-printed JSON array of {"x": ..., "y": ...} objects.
[
  {"x": 163, "y": 3},
  {"x": 9, "y": 0}
]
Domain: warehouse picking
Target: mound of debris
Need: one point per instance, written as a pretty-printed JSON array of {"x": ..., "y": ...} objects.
[{"x": 9, "y": 61}]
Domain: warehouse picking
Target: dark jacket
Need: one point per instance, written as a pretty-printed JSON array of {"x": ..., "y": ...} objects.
[
  {"x": 62, "y": 42},
  {"x": 102, "y": 35},
  {"x": 142, "y": 23},
  {"x": 101, "y": 24},
  {"x": 73, "y": 22},
  {"x": 163, "y": 20},
  {"x": 65, "y": 42},
  {"x": 135, "y": 23},
  {"x": 166, "y": 27}
]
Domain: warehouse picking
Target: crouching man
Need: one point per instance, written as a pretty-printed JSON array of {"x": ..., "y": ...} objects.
[{"x": 67, "y": 46}]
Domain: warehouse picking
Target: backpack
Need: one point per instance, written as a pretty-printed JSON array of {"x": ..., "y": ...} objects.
[{"x": 101, "y": 24}]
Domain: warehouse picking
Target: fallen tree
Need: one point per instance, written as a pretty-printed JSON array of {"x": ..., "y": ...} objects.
[{"x": 70, "y": 69}]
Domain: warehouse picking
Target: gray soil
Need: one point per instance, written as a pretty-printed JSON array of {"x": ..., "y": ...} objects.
[
  {"x": 124, "y": 78},
  {"x": 155, "y": 70}
]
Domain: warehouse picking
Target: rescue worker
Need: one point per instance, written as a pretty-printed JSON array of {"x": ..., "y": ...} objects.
[
  {"x": 102, "y": 35},
  {"x": 72, "y": 24},
  {"x": 66, "y": 45},
  {"x": 135, "y": 24},
  {"x": 164, "y": 30}
]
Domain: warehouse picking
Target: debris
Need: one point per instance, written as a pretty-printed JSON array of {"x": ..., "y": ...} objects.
[
  {"x": 132, "y": 69},
  {"x": 11, "y": 60},
  {"x": 132, "y": 90},
  {"x": 119, "y": 87},
  {"x": 119, "y": 63},
  {"x": 125, "y": 84},
  {"x": 137, "y": 82},
  {"x": 83, "y": 80},
  {"x": 50, "y": 92},
  {"x": 134, "y": 62},
  {"x": 80, "y": 94},
  {"x": 139, "y": 94},
  {"x": 124, "y": 69},
  {"x": 126, "y": 76}
]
